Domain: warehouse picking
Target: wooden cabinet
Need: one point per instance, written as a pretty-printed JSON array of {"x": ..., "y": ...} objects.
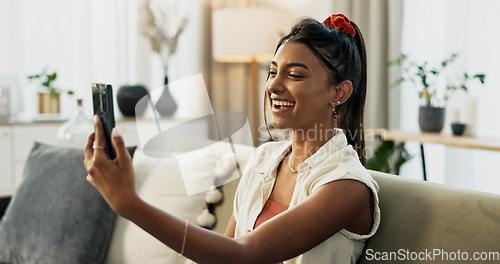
[{"x": 17, "y": 139}]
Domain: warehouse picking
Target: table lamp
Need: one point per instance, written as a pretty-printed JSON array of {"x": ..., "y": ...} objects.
[{"x": 248, "y": 35}]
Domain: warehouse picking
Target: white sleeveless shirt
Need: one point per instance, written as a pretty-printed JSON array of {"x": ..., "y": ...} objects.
[{"x": 335, "y": 160}]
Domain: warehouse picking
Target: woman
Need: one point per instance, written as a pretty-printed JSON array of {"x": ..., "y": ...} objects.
[{"x": 322, "y": 201}]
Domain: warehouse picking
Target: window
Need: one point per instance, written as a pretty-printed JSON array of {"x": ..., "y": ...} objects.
[{"x": 432, "y": 30}]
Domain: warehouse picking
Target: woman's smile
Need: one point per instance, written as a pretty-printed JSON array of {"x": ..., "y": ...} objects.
[{"x": 280, "y": 106}]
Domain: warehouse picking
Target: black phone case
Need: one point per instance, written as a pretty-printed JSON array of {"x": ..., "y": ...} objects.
[{"x": 102, "y": 96}]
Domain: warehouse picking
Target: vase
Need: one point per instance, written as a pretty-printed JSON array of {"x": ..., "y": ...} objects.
[
  {"x": 75, "y": 131},
  {"x": 127, "y": 98},
  {"x": 166, "y": 104},
  {"x": 4, "y": 103},
  {"x": 431, "y": 119}
]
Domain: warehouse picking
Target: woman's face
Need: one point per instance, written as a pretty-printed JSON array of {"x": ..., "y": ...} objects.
[{"x": 299, "y": 90}]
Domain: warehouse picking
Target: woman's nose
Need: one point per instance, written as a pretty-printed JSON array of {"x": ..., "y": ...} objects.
[{"x": 274, "y": 85}]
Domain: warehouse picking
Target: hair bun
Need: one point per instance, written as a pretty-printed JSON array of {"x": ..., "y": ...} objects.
[{"x": 340, "y": 22}]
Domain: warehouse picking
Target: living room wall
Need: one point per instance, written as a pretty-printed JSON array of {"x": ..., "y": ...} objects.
[
  {"x": 89, "y": 41},
  {"x": 469, "y": 28}
]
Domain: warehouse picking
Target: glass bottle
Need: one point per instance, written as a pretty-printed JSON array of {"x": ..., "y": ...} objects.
[{"x": 75, "y": 131}]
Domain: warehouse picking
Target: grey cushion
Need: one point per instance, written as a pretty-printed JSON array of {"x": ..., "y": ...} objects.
[{"x": 55, "y": 215}]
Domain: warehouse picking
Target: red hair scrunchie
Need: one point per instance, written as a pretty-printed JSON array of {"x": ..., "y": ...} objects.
[{"x": 340, "y": 22}]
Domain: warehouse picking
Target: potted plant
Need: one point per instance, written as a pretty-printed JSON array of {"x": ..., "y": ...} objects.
[
  {"x": 388, "y": 157},
  {"x": 425, "y": 78},
  {"x": 48, "y": 96}
]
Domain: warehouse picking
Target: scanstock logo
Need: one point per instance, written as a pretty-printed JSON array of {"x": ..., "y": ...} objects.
[{"x": 203, "y": 163}]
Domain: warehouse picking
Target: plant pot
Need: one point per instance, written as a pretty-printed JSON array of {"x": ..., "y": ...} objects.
[
  {"x": 48, "y": 104},
  {"x": 127, "y": 98},
  {"x": 458, "y": 128},
  {"x": 431, "y": 119}
]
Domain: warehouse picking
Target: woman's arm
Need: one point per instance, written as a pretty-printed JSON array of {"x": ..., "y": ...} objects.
[
  {"x": 334, "y": 206},
  {"x": 286, "y": 236}
]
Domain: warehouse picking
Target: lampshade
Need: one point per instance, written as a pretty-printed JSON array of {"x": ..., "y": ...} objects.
[{"x": 245, "y": 33}]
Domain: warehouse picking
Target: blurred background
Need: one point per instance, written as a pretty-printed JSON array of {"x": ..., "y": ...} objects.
[{"x": 113, "y": 41}]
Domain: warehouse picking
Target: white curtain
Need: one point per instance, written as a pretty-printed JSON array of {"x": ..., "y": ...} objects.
[
  {"x": 84, "y": 41},
  {"x": 380, "y": 23},
  {"x": 91, "y": 41},
  {"x": 432, "y": 31}
]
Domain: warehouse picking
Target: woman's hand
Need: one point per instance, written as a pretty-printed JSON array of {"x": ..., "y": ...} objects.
[{"x": 114, "y": 179}]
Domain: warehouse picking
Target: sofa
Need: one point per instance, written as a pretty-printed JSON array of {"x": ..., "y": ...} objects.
[
  {"x": 422, "y": 222},
  {"x": 425, "y": 222}
]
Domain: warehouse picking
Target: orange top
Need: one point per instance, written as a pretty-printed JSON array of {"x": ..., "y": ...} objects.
[{"x": 270, "y": 210}]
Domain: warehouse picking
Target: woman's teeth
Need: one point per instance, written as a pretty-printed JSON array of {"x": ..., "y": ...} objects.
[{"x": 283, "y": 103}]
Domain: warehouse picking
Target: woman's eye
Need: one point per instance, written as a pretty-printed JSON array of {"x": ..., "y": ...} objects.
[
  {"x": 295, "y": 75},
  {"x": 271, "y": 73}
]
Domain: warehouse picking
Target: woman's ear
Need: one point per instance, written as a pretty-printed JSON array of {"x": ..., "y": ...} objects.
[{"x": 341, "y": 92}]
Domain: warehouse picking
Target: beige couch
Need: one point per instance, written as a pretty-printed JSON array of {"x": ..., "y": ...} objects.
[{"x": 419, "y": 218}]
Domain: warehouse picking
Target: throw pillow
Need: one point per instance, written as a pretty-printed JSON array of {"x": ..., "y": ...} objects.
[
  {"x": 159, "y": 183},
  {"x": 55, "y": 216},
  {"x": 162, "y": 183}
]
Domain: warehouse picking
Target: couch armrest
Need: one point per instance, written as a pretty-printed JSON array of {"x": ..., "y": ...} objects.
[{"x": 421, "y": 216}]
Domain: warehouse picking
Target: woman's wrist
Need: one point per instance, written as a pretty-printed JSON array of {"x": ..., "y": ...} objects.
[{"x": 127, "y": 205}]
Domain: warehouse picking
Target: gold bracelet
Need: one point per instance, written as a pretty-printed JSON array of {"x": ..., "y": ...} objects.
[{"x": 184, "y": 239}]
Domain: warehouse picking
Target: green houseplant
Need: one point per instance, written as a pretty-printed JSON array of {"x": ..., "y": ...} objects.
[
  {"x": 49, "y": 95},
  {"x": 388, "y": 157},
  {"x": 425, "y": 78}
]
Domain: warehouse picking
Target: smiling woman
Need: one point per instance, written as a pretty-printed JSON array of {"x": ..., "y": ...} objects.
[
  {"x": 308, "y": 200},
  {"x": 307, "y": 94}
]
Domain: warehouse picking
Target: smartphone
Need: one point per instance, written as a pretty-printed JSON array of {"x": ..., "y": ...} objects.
[{"x": 102, "y": 97}]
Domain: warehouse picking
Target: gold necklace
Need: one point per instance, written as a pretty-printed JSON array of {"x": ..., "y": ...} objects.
[{"x": 290, "y": 165}]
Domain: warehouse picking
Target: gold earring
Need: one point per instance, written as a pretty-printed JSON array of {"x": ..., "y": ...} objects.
[{"x": 334, "y": 112}]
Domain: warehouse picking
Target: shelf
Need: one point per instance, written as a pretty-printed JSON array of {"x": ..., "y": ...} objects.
[{"x": 438, "y": 138}]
